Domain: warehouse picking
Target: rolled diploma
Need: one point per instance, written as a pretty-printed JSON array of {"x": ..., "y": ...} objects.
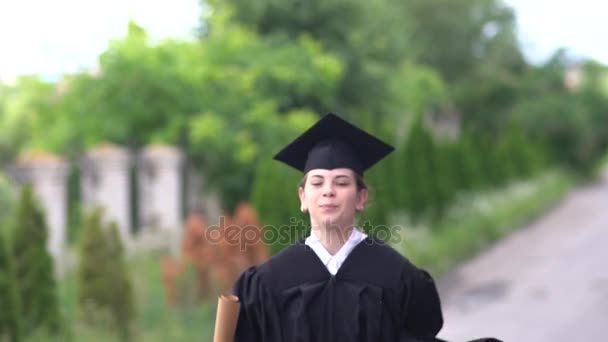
[{"x": 227, "y": 316}]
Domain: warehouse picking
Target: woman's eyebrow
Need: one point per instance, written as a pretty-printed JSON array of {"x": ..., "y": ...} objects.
[{"x": 338, "y": 176}]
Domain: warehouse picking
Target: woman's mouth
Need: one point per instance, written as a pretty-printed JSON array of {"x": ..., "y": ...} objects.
[{"x": 328, "y": 206}]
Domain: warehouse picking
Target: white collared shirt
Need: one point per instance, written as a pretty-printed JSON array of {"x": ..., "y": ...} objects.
[{"x": 333, "y": 262}]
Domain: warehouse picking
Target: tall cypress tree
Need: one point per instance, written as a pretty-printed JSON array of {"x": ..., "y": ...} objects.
[
  {"x": 105, "y": 293},
  {"x": 525, "y": 151},
  {"x": 5, "y": 297},
  {"x": 33, "y": 267},
  {"x": 9, "y": 329},
  {"x": 385, "y": 181},
  {"x": 420, "y": 163},
  {"x": 492, "y": 170},
  {"x": 471, "y": 162},
  {"x": 445, "y": 183},
  {"x": 275, "y": 197},
  {"x": 7, "y": 198}
]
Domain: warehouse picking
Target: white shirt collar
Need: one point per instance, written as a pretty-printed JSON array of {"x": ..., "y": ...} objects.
[{"x": 333, "y": 262}]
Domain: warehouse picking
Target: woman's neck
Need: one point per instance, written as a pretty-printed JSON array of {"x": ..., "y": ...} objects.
[{"x": 332, "y": 236}]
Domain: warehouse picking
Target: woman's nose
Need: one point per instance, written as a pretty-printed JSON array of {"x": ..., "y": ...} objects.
[{"x": 328, "y": 190}]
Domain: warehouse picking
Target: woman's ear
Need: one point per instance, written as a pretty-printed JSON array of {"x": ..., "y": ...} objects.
[{"x": 362, "y": 196}]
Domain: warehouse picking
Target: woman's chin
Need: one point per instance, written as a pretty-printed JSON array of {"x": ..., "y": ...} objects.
[{"x": 329, "y": 220}]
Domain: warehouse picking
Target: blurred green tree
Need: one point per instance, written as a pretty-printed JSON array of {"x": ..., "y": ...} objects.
[
  {"x": 371, "y": 38},
  {"x": 27, "y": 117},
  {"x": 275, "y": 196},
  {"x": 105, "y": 294},
  {"x": 573, "y": 120},
  {"x": 7, "y": 198},
  {"x": 9, "y": 322},
  {"x": 219, "y": 99},
  {"x": 458, "y": 36},
  {"x": 33, "y": 267},
  {"x": 473, "y": 45},
  {"x": 465, "y": 161},
  {"x": 419, "y": 163}
]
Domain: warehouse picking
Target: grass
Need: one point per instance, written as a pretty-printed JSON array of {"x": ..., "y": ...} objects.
[
  {"x": 601, "y": 165},
  {"x": 477, "y": 221},
  {"x": 155, "y": 319}
]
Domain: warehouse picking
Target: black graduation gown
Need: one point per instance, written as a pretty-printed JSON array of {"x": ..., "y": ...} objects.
[{"x": 377, "y": 295}]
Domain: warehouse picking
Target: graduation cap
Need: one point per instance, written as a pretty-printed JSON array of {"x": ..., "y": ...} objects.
[{"x": 333, "y": 143}]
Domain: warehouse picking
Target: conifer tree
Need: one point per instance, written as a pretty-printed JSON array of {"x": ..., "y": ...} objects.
[
  {"x": 469, "y": 163},
  {"x": 9, "y": 329},
  {"x": 526, "y": 151},
  {"x": 33, "y": 267},
  {"x": 385, "y": 182},
  {"x": 492, "y": 170},
  {"x": 275, "y": 197},
  {"x": 105, "y": 294},
  {"x": 420, "y": 163},
  {"x": 7, "y": 319},
  {"x": 445, "y": 182},
  {"x": 6, "y": 198}
]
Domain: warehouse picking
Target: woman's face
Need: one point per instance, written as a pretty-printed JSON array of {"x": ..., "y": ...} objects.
[{"x": 331, "y": 197}]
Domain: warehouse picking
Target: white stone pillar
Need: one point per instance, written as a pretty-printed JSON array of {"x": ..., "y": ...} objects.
[
  {"x": 47, "y": 174},
  {"x": 105, "y": 182},
  {"x": 160, "y": 185},
  {"x": 206, "y": 203}
]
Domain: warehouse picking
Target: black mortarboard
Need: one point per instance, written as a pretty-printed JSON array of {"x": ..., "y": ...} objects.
[{"x": 333, "y": 143}]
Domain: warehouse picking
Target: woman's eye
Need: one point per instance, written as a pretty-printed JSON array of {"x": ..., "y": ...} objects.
[
  {"x": 315, "y": 184},
  {"x": 343, "y": 184}
]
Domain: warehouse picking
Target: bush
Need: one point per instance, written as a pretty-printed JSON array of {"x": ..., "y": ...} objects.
[
  {"x": 33, "y": 267},
  {"x": 8, "y": 300},
  {"x": 7, "y": 198},
  {"x": 105, "y": 290}
]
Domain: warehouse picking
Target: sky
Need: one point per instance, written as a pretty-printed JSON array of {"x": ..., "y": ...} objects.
[
  {"x": 62, "y": 36},
  {"x": 579, "y": 25}
]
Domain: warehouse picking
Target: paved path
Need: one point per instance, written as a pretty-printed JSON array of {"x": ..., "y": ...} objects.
[{"x": 546, "y": 282}]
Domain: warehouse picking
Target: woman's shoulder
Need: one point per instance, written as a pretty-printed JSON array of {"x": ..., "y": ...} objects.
[
  {"x": 292, "y": 265},
  {"x": 378, "y": 249},
  {"x": 404, "y": 271},
  {"x": 284, "y": 259}
]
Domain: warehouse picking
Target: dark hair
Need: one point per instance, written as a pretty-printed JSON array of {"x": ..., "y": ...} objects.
[{"x": 358, "y": 179}]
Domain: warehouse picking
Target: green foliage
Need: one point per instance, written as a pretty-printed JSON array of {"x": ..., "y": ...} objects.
[
  {"x": 138, "y": 89},
  {"x": 220, "y": 99},
  {"x": 156, "y": 320},
  {"x": 428, "y": 173},
  {"x": 572, "y": 122},
  {"x": 476, "y": 221},
  {"x": 249, "y": 102},
  {"x": 262, "y": 71},
  {"x": 275, "y": 197},
  {"x": 454, "y": 36},
  {"x": 105, "y": 290},
  {"x": 474, "y": 47},
  {"x": 429, "y": 182},
  {"x": 26, "y": 108},
  {"x": 9, "y": 322},
  {"x": 524, "y": 154},
  {"x": 74, "y": 203},
  {"x": 7, "y": 198},
  {"x": 466, "y": 163},
  {"x": 370, "y": 38},
  {"x": 33, "y": 267}
]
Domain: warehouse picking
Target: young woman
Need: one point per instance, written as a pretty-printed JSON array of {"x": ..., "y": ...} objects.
[{"x": 338, "y": 284}]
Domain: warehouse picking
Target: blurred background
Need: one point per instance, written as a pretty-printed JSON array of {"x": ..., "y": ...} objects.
[{"x": 134, "y": 133}]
